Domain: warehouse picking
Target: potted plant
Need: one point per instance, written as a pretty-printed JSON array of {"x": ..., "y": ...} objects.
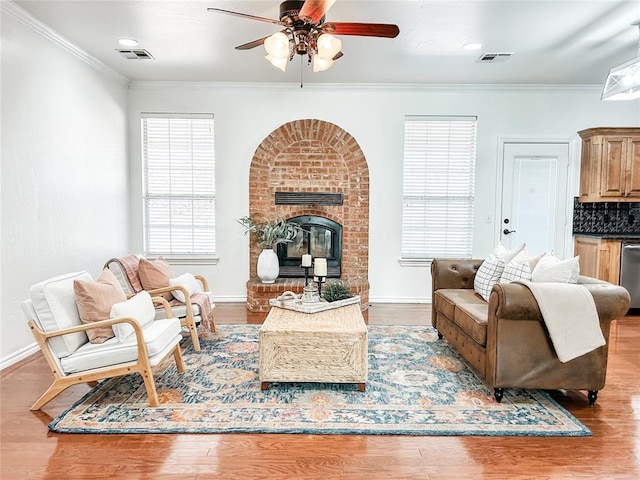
[
  {"x": 268, "y": 235},
  {"x": 336, "y": 291}
]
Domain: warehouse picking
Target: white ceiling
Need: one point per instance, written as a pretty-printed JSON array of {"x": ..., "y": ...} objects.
[{"x": 552, "y": 41}]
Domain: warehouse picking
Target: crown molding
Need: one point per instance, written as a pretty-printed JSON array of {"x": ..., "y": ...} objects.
[
  {"x": 17, "y": 13},
  {"x": 154, "y": 85}
]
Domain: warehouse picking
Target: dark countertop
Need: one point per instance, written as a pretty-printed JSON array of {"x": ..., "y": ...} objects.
[{"x": 610, "y": 236}]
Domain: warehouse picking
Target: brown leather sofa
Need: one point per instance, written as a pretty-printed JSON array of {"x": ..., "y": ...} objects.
[{"x": 506, "y": 341}]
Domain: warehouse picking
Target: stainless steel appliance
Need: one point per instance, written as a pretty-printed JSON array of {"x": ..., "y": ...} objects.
[{"x": 630, "y": 271}]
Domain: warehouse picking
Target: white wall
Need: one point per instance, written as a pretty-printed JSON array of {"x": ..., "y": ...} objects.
[
  {"x": 245, "y": 115},
  {"x": 65, "y": 199},
  {"x": 68, "y": 205}
]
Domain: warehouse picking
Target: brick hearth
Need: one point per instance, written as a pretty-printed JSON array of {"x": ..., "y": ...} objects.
[
  {"x": 311, "y": 156},
  {"x": 259, "y": 294}
]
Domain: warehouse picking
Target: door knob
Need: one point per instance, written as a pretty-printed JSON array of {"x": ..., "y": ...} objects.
[{"x": 506, "y": 231}]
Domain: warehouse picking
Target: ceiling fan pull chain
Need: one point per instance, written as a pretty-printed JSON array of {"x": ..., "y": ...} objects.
[{"x": 301, "y": 72}]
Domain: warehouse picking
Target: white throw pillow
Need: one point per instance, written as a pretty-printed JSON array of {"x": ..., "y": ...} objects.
[
  {"x": 500, "y": 251},
  {"x": 188, "y": 281},
  {"x": 139, "y": 307},
  {"x": 488, "y": 275},
  {"x": 552, "y": 269},
  {"x": 514, "y": 271}
]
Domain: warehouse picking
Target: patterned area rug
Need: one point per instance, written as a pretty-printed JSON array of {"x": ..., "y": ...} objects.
[{"x": 417, "y": 386}]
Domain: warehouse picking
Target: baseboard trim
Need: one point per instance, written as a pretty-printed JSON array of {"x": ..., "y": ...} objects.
[
  {"x": 230, "y": 299},
  {"x": 21, "y": 354},
  {"x": 400, "y": 300}
]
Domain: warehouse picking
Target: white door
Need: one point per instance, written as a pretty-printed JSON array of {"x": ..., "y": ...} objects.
[{"x": 535, "y": 196}]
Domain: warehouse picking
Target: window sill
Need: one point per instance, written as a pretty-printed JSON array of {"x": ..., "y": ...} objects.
[
  {"x": 195, "y": 260},
  {"x": 415, "y": 262}
]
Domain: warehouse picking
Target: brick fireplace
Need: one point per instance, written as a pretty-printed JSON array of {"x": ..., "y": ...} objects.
[{"x": 312, "y": 156}]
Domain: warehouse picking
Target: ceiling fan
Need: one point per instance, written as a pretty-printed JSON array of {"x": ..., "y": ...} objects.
[{"x": 306, "y": 33}]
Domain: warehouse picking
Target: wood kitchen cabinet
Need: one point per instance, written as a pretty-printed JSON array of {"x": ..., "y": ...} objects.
[
  {"x": 599, "y": 258},
  {"x": 610, "y": 165}
]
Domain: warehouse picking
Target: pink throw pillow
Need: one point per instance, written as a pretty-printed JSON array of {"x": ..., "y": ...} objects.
[
  {"x": 155, "y": 274},
  {"x": 95, "y": 299}
]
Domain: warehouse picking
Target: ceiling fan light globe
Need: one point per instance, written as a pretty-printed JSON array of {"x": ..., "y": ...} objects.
[
  {"x": 278, "y": 62},
  {"x": 277, "y": 45},
  {"x": 328, "y": 46},
  {"x": 320, "y": 64}
]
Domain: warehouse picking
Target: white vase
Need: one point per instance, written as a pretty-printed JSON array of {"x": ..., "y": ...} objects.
[{"x": 268, "y": 268}]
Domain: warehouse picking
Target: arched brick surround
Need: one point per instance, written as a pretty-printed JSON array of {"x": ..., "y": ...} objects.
[{"x": 312, "y": 155}]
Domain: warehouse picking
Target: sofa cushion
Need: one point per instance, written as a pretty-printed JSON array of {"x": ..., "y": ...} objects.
[
  {"x": 446, "y": 299},
  {"x": 472, "y": 318},
  {"x": 158, "y": 335},
  {"x": 55, "y": 304}
]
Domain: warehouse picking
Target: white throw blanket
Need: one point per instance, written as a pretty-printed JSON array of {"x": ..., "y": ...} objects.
[{"x": 570, "y": 315}]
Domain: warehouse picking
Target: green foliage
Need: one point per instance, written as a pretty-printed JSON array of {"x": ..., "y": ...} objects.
[
  {"x": 269, "y": 234},
  {"x": 336, "y": 291}
]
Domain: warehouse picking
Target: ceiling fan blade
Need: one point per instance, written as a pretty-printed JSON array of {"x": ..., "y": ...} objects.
[
  {"x": 246, "y": 15},
  {"x": 337, "y": 56},
  {"x": 250, "y": 45},
  {"x": 362, "y": 29},
  {"x": 313, "y": 10}
]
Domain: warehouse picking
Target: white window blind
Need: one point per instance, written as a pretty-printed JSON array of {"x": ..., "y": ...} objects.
[
  {"x": 438, "y": 187},
  {"x": 179, "y": 185}
]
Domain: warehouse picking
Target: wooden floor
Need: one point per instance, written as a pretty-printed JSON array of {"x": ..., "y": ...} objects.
[{"x": 29, "y": 451}]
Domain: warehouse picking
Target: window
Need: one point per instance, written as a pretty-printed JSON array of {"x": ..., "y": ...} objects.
[
  {"x": 178, "y": 185},
  {"x": 438, "y": 188}
]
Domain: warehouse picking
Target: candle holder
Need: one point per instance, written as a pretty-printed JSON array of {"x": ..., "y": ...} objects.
[
  {"x": 310, "y": 294},
  {"x": 306, "y": 275},
  {"x": 319, "y": 281}
]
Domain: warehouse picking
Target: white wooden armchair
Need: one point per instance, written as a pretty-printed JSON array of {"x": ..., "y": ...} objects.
[
  {"x": 126, "y": 270},
  {"x": 143, "y": 343}
]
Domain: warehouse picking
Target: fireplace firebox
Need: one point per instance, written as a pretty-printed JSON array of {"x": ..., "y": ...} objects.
[{"x": 321, "y": 237}]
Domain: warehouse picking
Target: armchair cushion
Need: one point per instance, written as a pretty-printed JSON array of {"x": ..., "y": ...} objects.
[
  {"x": 94, "y": 300},
  {"x": 55, "y": 305},
  {"x": 155, "y": 274},
  {"x": 159, "y": 336},
  {"x": 188, "y": 281},
  {"x": 139, "y": 307}
]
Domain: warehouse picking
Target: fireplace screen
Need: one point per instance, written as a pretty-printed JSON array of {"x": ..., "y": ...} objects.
[{"x": 321, "y": 237}]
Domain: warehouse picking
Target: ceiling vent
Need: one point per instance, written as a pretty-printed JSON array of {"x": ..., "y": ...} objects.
[
  {"x": 494, "y": 57},
  {"x": 136, "y": 54}
]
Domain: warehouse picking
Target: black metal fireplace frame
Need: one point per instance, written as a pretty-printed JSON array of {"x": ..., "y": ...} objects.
[{"x": 290, "y": 267}]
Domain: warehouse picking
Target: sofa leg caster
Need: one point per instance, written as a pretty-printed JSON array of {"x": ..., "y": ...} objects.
[
  {"x": 498, "y": 393},
  {"x": 593, "y": 396}
]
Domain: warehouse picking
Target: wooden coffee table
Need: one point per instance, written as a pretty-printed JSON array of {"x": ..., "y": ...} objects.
[{"x": 327, "y": 346}]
